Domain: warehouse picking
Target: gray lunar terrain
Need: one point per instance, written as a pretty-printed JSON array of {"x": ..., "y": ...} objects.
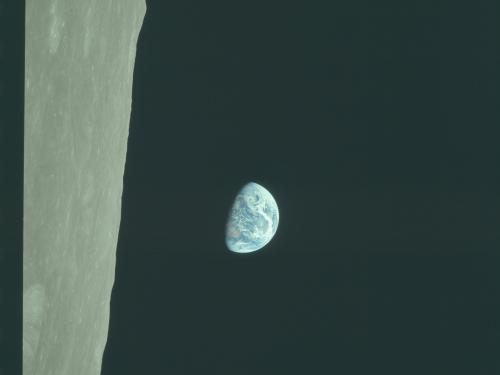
[{"x": 78, "y": 90}]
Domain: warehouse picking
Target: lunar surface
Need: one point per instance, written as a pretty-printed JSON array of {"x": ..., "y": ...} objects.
[
  {"x": 253, "y": 219},
  {"x": 78, "y": 90}
]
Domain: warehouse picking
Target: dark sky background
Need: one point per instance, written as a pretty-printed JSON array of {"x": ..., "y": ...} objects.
[
  {"x": 376, "y": 127},
  {"x": 12, "y": 24}
]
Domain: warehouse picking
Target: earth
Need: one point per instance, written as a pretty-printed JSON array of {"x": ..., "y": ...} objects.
[{"x": 253, "y": 219}]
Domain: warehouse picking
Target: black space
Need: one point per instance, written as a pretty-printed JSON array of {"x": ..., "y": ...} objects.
[
  {"x": 11, "y": 184},
  {"x": 376, "y": 127}
]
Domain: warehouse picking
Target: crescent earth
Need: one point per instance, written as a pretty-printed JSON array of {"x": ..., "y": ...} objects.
[{"x": 253, "y": 219}]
